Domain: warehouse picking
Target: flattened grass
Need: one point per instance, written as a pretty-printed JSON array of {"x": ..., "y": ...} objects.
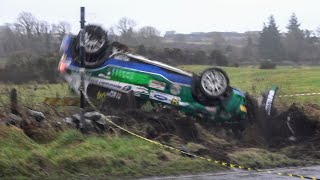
[{"x": 259, "y": 158}]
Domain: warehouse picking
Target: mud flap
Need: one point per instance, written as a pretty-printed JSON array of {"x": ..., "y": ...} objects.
[
  {"x": 266, "y": 100},
  {"x": 266, "y": 111},
  {"x": 270, "y": 100}
]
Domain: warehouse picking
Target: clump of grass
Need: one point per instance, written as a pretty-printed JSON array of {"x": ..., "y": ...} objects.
[{"x": 255, "y": 157}]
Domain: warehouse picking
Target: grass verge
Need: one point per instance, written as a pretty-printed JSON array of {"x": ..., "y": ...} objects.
[{"x": 74, "y": 155}]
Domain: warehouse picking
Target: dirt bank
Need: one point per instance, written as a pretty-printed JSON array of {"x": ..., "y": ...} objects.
[{"x": 288, "y": 138}]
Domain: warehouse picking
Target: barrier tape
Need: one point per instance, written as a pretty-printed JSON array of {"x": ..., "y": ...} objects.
[
  {"x": 190, "y": 154},
  {"x": 304, "y": 94}
]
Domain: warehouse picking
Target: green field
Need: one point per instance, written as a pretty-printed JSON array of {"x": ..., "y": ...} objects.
[
  {"x": 70, "y": 154},
  {"x": 291, "y": 80},
  {"x": 33, "y": 94}
]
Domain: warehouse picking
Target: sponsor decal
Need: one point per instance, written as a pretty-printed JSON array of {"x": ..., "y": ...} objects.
[
  {"x": 104, "y": 76},
  {"x": 101, "y": 95},
  {"x": 160, "y": 97},
  {"x": 106, "y": 83},
  {"x": 175, "y": 89},
  {"x": 118, "y": 96},
  {"x": 127, "y": 88},
  {"x": 166, "y": 98},
  {"x": 157, "y": 85},
  {"x": 138, "y": 90},
  {"x": 211, "y": 109},
  {"x": 112, "y": 94},
  {"x": 122, "y": 57},
  {"x": 243, "y": 108},
  {"x": 175, "y": 101},
  {"x": 119, "y": 86}
]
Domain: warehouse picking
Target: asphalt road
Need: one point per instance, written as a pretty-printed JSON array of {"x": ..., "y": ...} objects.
[{"x": 237, "y": 174}]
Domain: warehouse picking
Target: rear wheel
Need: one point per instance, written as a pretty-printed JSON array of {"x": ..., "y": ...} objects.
[
  {"x": 96, "y": 45},
  {"x": 214, "y": 82},
  {"x": 95, "y": 40}
]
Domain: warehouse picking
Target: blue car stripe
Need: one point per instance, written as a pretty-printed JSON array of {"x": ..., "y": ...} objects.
[{"x": 172, "y": 76}]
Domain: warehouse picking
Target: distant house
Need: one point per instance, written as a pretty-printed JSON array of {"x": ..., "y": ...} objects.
[
  {"x": 233, "y": 38},
  {"x": 169, "y": 33}
]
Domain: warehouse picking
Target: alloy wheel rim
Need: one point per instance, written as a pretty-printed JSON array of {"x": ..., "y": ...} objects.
[{"x": 213, "y": 83}]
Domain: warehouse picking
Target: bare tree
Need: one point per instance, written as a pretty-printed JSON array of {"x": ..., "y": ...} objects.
[
  {"x": 112, "y": 36},
  {"x": 149, "y": 35},
  {"x": 27, "y": 22},
  {"x": 125, "y": 27},
  {"x": 62, "y": 29},
  {"x": 149, "y": 31}
]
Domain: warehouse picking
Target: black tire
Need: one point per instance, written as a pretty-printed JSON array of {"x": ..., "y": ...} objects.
[
  {"x": 213, "y": 76},
  {"x": 96, "y": 40},
  {"x": 93, "y": 58}
]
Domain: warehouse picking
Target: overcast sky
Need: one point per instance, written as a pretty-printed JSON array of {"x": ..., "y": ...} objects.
[{"x": 183, "y": 16}]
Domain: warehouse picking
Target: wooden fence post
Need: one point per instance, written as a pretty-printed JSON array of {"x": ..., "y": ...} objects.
[{"x": 14, "y": 102}]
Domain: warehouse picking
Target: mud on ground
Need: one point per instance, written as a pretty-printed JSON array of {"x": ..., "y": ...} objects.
[{"x": 293, "y": 134}]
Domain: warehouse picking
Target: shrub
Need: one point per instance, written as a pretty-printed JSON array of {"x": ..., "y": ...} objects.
[
  {"x": 23, "y": 69},
  {"x": 268, "y": 64}
]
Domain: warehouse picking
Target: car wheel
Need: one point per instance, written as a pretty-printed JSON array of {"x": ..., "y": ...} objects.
[
  {"x": 214, "y": 82},
  {"x": 95, "y": 40}
]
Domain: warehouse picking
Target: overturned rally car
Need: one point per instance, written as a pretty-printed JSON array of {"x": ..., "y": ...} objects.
[{"x": 112, "y": 72}]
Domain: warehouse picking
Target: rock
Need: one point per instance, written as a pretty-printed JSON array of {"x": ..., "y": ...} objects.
[
  {"x": 14, "y": 119},
  {"x": 184, "y": 149},
  {"x": 87, "y": 126},
  {"x": 37, "y": 115},
  {"x": 94, "y": 116},
  {"x": 76, "y": 118},
  {"x": 101, "y": 124},
  {"x": 70, "y": 122}
]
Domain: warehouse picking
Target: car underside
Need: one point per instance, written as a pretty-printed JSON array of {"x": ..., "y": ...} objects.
[{"x": 112, "y": 72}]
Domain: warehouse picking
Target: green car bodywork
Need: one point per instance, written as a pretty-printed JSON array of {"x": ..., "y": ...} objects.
[{"x": 176, "y": 95}]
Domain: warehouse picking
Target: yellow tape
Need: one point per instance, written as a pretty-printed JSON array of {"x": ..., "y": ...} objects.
[
  {"x": 183, "y": 152},
  {"x": 224, "y": 164}
]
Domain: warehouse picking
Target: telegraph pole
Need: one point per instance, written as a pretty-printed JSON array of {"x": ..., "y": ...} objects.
[{"x": 82, "y": 69}]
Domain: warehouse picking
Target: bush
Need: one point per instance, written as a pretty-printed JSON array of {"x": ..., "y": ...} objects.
[
  {"x": 21, "y": 68},
  {"x": 268, "y": 64},
  {"x": 219, "y": 58}
]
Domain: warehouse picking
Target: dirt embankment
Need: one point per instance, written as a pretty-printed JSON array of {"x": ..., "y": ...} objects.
[
  {"x": 288, "y": 138},
  {"x": 291, "y": 133}
]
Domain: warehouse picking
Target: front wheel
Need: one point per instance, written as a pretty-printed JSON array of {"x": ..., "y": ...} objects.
[{"x": 214, "y": 82}]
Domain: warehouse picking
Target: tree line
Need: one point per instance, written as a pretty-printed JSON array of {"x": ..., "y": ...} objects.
[
  {"x": 29, "y": 37},
  {"x": 296, "y": 46}
]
